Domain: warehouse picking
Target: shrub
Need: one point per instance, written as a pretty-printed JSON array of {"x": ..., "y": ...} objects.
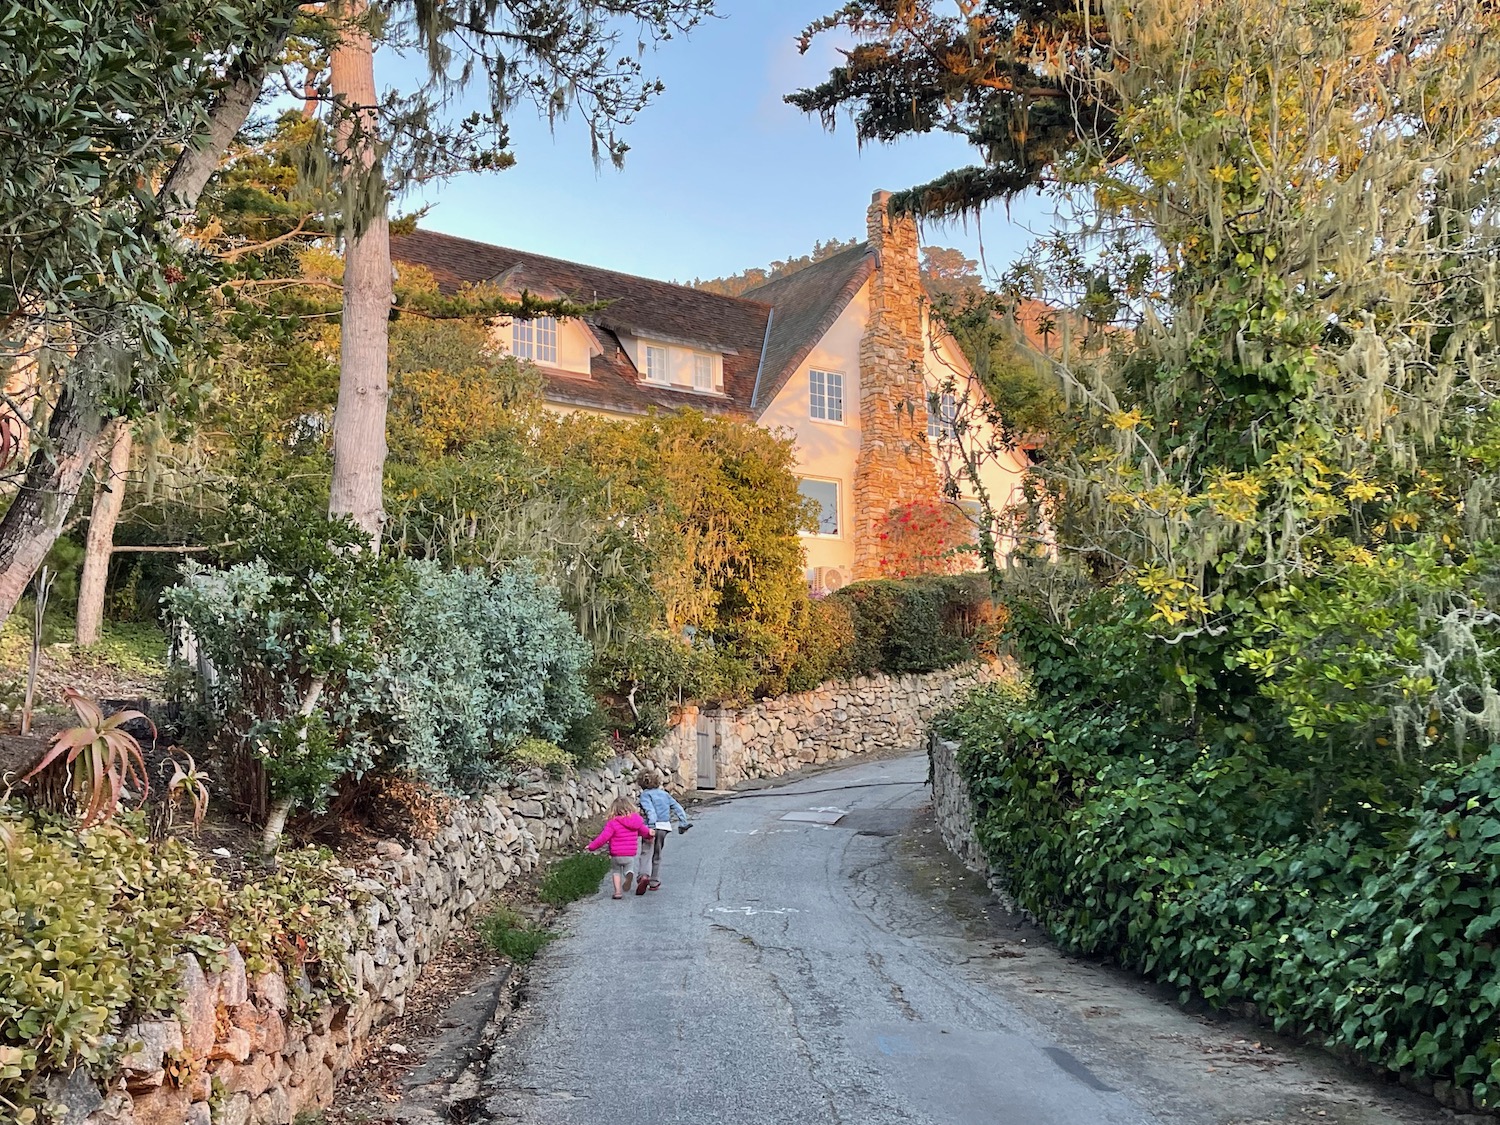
[
  {"x": 918, "y": 624},
  {"x": 538, "y": 753},
  {"x": 293, "y": 641},
  {"x": 646, "y": 676},
  {"x": 476, "y": 666},
  {"x": 92, "y": 924},
  {"x": 341, "y": 662},
  {"x": 826, "y": 651},
  {"x": 924, "y": 537},
  {"x": 507, "y": 932},
  {"x": 573, "y": 877}
]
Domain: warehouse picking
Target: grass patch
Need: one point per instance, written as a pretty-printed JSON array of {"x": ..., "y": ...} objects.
[
  {"x": 573, "y": 877},
  {"x": 510, "y": 934}
]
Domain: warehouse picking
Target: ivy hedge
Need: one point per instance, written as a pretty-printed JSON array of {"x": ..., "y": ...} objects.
[{"x": 1201, "y": 847}]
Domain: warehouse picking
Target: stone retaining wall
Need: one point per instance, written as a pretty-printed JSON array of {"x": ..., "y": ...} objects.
[
  {"x": 242, "y": 1050},
  {"x": 952, "y": 806},
  {"x": 774, "y": 736},
  {"x": 237, "y": 1054},
  {"x": 954, "y": 810}
]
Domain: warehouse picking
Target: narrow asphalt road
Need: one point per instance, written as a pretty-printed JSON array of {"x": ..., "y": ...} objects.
[{"x": 792, "y": 970}]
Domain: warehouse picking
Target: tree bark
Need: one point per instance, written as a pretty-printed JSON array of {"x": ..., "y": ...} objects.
[
  {"x": 109, "y": 497},
  {"x": 359, "y": 446},
  {"x": 55, "y": 469}
]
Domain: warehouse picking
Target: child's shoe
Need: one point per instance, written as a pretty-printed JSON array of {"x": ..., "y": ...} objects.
[
  {"x": 640, "y": 886},
  {"x": 655, "y": 885},
  {"x": 629, "y": 875}
]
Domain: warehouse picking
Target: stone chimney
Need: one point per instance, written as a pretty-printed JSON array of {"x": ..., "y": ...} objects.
[{"x": 895, "y": 464}]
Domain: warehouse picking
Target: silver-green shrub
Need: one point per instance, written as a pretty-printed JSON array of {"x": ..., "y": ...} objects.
[{"x": 476, "y": 665}]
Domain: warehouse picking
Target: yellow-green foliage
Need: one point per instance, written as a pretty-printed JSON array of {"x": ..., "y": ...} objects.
[
  {"x": 538, "y": 753},
  {"x": 92, "y": 922}
]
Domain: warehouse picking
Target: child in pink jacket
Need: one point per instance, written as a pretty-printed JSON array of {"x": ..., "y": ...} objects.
[{"x": 623, "y": 833}]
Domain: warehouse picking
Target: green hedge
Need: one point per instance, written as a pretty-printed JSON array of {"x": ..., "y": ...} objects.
[
  {"x": 894, "y": 626},
  {"x": 1190, "y": 860}
]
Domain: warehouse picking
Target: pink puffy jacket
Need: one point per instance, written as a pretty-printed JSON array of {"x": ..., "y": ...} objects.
[{"x": 623, "y": 834}]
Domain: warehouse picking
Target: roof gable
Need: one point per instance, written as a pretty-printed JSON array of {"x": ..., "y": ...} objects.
[{"x": 805, "y": 305}]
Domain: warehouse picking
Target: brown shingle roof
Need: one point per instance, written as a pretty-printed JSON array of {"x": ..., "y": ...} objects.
[
  {"x": 805, "y": 305},
  {"x": 640, "y": 306}
]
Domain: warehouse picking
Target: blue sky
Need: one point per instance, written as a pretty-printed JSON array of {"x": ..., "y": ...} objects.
[{"x": 722, "y": 174}]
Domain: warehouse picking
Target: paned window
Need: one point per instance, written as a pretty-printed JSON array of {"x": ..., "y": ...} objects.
[
  {"x": 942, "y": 416},
  {"x": 535, "y": 339},
  {"x": 703, "y": 372},
  {"x": 825, "y": 396},
  {"x": 826, "y": 494},
  {"x": 656, "y": 366}
]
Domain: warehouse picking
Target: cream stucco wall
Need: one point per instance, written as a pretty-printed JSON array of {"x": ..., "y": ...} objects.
[
  {"x": 1000, "y": 474},
  {"x": 827, "y": 450}
]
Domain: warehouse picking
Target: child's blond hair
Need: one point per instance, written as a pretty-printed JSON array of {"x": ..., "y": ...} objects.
[{"x": 623, "y": 806}]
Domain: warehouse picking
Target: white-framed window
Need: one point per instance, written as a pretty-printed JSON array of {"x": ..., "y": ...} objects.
[
  {"x": 703, "y": 372},
  {"x": 826, "y": 494},
  {"x": 942, "y": 416},
  {"x": 657, "y": 368},
  {"x": 825, "y": 396},
  {"x": 534, "y": 339}
]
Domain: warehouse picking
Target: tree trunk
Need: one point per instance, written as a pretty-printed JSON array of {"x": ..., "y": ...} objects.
[
  {"x": 359, "y": 417},
  {"x": 109, "y": 496},
  {"x": 55, "y": 469}
]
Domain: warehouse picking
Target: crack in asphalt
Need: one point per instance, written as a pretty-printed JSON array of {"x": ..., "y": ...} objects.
[{"x": 804, "y": 1048}]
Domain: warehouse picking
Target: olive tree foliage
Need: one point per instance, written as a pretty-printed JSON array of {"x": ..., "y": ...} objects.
[{"x": 115, "y": 118}]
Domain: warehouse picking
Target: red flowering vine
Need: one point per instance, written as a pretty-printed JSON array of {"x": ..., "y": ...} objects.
[{"x": 924, "y": 537}]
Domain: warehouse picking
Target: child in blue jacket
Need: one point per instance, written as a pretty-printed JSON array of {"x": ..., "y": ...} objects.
[{"x": 659, "y": 809}]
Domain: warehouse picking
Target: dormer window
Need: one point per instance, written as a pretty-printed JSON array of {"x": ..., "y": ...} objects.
[
  {"x": 703, "y": 372},
  {"x": 657, "y": 367},
  {"x": 535, "y": 339}
]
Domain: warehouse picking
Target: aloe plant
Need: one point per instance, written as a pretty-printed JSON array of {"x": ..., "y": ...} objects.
[
  {"x": 100, "y": 756},
  {"x": 190, "y": 781}
]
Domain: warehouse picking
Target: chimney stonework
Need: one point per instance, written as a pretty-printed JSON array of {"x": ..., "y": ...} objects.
[{"x": 895, "y": 464}]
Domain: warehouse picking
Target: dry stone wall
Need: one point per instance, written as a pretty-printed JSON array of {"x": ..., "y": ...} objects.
[
  {"x": 719, "y": 748},
  {"x": 952, "y": 806},
  {"x": 254, "y": 1049},
  {"x": 953, "y": 809}
]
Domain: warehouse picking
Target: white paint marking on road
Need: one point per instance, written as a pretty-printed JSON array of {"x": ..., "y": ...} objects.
[
  {"x": 751, "y": 911},
  {"x": 816, "y": 816}
]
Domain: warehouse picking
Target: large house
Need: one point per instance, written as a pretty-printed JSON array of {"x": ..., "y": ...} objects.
[{"x": 839, "y": 355}]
